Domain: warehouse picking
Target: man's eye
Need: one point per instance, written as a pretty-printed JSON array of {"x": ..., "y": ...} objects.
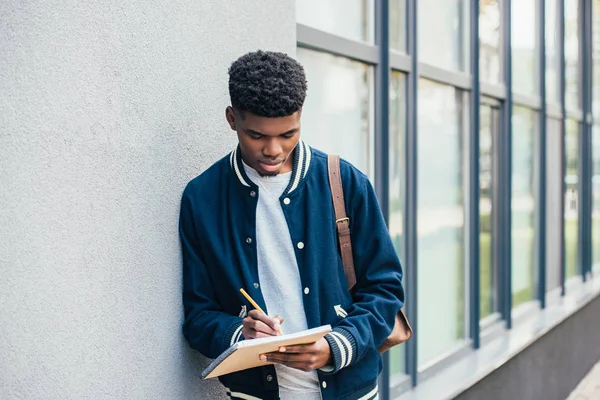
[{"x": 255, "y": 137}]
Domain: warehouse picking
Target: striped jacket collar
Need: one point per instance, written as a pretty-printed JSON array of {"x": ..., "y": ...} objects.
[{"x": 302, "y": 156}]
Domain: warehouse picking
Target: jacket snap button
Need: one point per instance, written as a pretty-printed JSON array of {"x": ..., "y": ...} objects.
[
  {"x": 256, "y": 285},
  {"x": 300, "y": 245},
  {"x": 249, "y": 240},
  {"x": 306, "y": 290},
  {"x": 286, "y": 201},
  {"x": 324, "y": 384},
  {"x": 269, "y": 378},
  {"x": 253, "y": 194}
]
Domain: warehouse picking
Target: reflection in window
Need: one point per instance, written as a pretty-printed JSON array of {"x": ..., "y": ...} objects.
[
  {"x": 554, "y": 213},
  {"x": 523, "y": 26},
  {"x": 489, "y": 40},
  {"x": 336, "y": 117},
  {"x": 441, "y": 221},
  {"x": 572, "y": 53},
  {"x": 571, "y": 197},
  {"x": 596, "y": 197},
  {"x": 522, "y": 204},
  {"x": 352, "y": 19},
  {"x": 395, "y": 222},
  {"x": 488, "y": 282},
  {"x": 552, "y": 54},
  {"x": 443, "y": 33},
  {"x": 398, "y": 25}
]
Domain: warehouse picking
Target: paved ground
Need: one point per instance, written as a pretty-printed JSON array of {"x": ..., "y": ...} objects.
[{"x": 589, "y": 387}]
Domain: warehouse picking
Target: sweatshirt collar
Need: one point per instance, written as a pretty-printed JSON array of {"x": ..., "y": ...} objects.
[{"x": 302, "y": 156}]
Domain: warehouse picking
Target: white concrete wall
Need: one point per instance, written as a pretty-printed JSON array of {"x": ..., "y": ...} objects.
[{"x": 107, "y": 110}]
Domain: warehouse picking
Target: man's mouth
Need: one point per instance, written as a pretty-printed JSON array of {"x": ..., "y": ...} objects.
[{"x": 270, "y": 167}]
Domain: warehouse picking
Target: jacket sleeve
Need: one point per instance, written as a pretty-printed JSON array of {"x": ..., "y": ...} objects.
[
  {"x": 378, "y": 294},
  {"x": 206, "y": 327}
]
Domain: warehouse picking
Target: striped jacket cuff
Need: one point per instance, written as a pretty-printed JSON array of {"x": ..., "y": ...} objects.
[
  {"x": 233, "y": 335},
  {"x": 343, "y": 347}
]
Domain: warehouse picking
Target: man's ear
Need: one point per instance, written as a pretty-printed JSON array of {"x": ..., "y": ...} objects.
[{"x": 230, "y": 116}]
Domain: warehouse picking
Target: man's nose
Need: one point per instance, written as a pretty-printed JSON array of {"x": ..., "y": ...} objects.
[{"x": 272, "y": 148}]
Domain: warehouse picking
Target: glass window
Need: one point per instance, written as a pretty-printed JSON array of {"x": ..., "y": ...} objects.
[
  {"x": 552, "y": 54},
  {"x": 489, "y": 40},
  {"x": 571, "y": 197},
  {"x": 337, "y": 115},
  {"x": 488, "y": 279},
  {"x": 524, "y": 57},
  {"x": 398, "y": 25},
  {"x": 441, "y": 288},
  {"x": 572, "y": 53},
  {"x": 523, "y": 204},
  {"x": 395, "y": 221},
  {"x": 352, "y": 19},
  {"x": 443, "y": 33},
  {"x": 596, "y": 57},
  {"x": 596, "y": 197},
  {"x": 554, "y": 212}
]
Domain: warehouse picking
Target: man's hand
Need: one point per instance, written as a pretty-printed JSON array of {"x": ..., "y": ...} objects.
[
  {"x": 306, "y": 357},
  {"x": 257, "y": 325}
]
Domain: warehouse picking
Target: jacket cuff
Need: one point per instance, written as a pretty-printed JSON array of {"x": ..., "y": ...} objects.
[
  {"x": 233, "y": 335},
  {"x": 343, "y": 348}
]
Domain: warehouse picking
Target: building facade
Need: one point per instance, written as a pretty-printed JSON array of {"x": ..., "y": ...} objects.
[{"x": 478, "y": 122}]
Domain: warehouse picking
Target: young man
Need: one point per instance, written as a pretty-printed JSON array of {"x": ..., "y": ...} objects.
[{"x": 262, "y": 219}]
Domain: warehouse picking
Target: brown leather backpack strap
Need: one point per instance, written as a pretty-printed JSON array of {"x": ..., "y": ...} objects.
[{"x": 342, "y": 222}]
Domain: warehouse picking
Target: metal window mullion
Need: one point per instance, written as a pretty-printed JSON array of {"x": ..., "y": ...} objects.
[
  {"x": 560, "y": 12},
  {"x": 590, "y": 122},
  {"x": 585, "y": 216},
  {"x": 382, "y": 134},
  {"x": 506, "y": 172},
  {"x": 473, "y": 210},
  {"x": 540, "y": 229},
  {"x": 410, "y": 191},
  {"x": 316, "y": 39},
  {"x": 582, "y": 92}
]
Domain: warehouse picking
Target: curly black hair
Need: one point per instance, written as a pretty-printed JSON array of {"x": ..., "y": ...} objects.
[{"x": 267, "y": 83}]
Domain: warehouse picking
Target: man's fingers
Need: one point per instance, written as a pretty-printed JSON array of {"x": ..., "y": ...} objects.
[
  {"x": 260, "y": 326},
  {"x": 272, "y": 322},
  {"x": 301, "y": 348}
]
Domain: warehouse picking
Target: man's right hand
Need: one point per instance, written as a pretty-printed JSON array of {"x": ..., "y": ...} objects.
[{"x": 257, "y": 325}]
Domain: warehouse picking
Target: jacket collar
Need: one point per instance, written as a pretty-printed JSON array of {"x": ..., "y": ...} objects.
[{"x": 302, "y": 156}]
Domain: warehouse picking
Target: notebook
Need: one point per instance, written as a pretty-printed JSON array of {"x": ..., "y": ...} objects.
[{"x": 243, "y": 355}]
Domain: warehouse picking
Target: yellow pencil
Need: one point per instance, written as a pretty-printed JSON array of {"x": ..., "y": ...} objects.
[{"x": 247, "y": 296}]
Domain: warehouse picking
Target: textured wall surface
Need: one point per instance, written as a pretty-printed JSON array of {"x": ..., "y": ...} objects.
[
  {"x": 551, "y": 367},
  {"x": 108, "y": 109}
]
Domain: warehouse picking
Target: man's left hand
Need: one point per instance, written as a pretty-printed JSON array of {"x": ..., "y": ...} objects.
[{"x": 305, "y": 357}]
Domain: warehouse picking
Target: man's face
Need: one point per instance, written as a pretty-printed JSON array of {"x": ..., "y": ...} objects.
[{"x": 266, "y": 143}]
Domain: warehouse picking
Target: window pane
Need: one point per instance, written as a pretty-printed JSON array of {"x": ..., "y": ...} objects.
[
  {"x": 572, "y": 53},
  {"x": 442, "y": 36},
  {"x": 336, "y": 117},
  {"x": 552, "y": 56},
  {"x": 489, "y": 125},
  {"x": 522, "y": 204},
  {"x": 596, "y": 197},
  {"x": 571, "y": 196},
  {"x": 440, "y": 219},
  {"x": 596, "y": 57},
  {"x": 352, "y": 19},
  {"x": 554, "y": 212},
  {"x": 398, "y": 25},
  {"x": 523, "y": 26},
  {"x": 489, "y": 40},
  {"x": 395, "y": 223}
]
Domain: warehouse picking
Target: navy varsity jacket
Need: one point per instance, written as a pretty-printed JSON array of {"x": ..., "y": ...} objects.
[{"x": 217, "y": 231}]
